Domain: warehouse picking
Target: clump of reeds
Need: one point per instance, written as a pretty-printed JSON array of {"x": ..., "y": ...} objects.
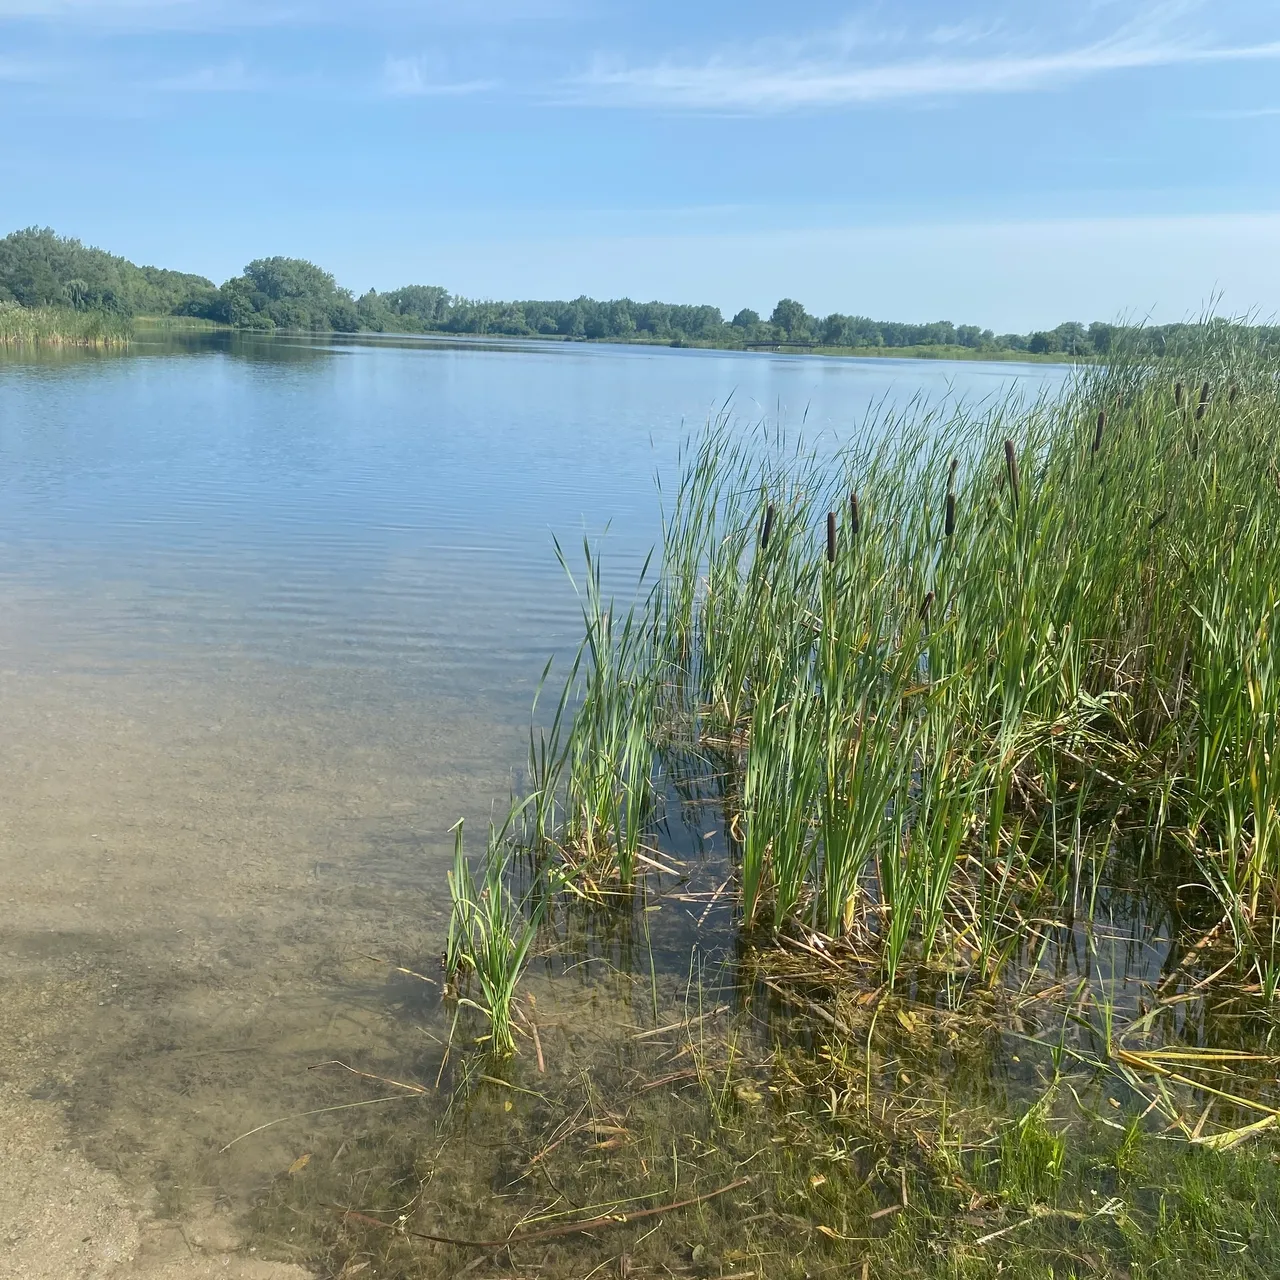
[
  {"x": 926, "y": 733},
  {"x": 489, "y": 937},
  {"x": 60, "y": 326}
]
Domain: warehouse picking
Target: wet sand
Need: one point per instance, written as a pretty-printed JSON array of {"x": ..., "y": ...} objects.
[{"x": 194, "y": 859}]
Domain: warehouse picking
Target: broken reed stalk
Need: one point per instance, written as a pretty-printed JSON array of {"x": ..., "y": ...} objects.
[
  {"x": 831, "y": 537},
  {"x": 549, "y": 1233},
  {"x": 1011, "y": 466}
]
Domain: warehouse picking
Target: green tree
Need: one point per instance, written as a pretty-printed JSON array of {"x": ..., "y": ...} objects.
[
  {"x": 791, "y": 317},
  {"x": 287, "y": 293},
  {"x": 38, "y": 267}
]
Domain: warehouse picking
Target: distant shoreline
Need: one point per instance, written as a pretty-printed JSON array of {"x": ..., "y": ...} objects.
[{"x": 953, "y": 352}]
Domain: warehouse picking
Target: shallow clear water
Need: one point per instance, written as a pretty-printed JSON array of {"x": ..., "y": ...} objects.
[{"x": 273, "y": 614}]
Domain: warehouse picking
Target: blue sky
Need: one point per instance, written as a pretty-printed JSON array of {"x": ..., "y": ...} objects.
[{"x": 1006, "y": 164}]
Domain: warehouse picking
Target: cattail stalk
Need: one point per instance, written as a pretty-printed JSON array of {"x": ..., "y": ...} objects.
[
  {"x": 1097, "y": 434},
  {"x": 855, "y": 515},
  {"x": 1177, "y": 394},
  {"x": 767, "y": 527},
  {"x": 1011, "y": 465},
  {"x": 1204, "y": 402},
  {"x": 949, "y": 526},
  {"x": 831, "y": 537},
  {"x": 925, "y": 605}
]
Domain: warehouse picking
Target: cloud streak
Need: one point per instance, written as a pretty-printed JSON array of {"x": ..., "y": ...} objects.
[
  {"x": 414, "y": 78},
  {"x": 226, "y": 77},
  {"x": 758, "y": 86}
]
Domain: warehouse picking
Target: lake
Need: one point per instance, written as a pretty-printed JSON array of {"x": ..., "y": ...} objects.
[{"x": 275, "y": 610}]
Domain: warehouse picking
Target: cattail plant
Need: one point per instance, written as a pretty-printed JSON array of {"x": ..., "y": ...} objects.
[
  {"x": 1011, "y": 466},
  {"x": 1178, "y": 394},
  {"x": 855, "y": 516},
  {"x": 767, "y": 528},
  {"x": 1098, "y": 430},
  {"x": 831, "y": 537},
  {"x": 1204, "y": 402},
  {"x": 949, "y": 524}
]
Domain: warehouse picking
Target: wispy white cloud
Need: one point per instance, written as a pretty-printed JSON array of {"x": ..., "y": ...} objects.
[
  {"x": 421, "y": 78},
  {"x": 794, "y": 77},
  {"x": 226, "y": 77}
]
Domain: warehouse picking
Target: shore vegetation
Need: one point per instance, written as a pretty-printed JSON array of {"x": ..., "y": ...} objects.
[
  {"x": 39, "y": 268},
  {"x": 60, "y": 326}
]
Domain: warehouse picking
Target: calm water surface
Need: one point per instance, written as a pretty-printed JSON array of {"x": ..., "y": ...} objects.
[
  {"x": 273, "y": 612},
  {"x": 374, "y": 505}
]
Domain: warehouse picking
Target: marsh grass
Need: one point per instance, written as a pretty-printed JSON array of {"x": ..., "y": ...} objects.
[
  {"x": 945, "y": 669},
  {"x": 60, "y": 326},
  {"x": 489, "y": 937}
]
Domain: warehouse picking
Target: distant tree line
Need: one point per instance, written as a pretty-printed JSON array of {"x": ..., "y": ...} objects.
[{"x": 41, "y": 268}]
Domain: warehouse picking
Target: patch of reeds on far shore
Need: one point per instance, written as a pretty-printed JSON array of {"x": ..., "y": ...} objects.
[{"x": 61, "y": 327}]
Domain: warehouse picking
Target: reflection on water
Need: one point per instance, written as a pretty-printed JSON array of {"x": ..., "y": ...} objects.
[{"x": 274, "y": 610}]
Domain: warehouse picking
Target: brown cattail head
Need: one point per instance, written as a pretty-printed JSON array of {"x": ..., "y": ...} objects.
[
  {"x": 925, "y": 605},
  {"x": 1204, "y": 402},
  {"x": 855, "y": 515},
  {"x": 949, "y": 527},
  {"x": 1233, "y": 393},
  {"x": 831, "y": 537},
  {"x": 767, "y": 528},
  {"x": 1097, "y": 434},
  {"x": 1011, "y": 465},
  {"x": 1177, "y": 394}
]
